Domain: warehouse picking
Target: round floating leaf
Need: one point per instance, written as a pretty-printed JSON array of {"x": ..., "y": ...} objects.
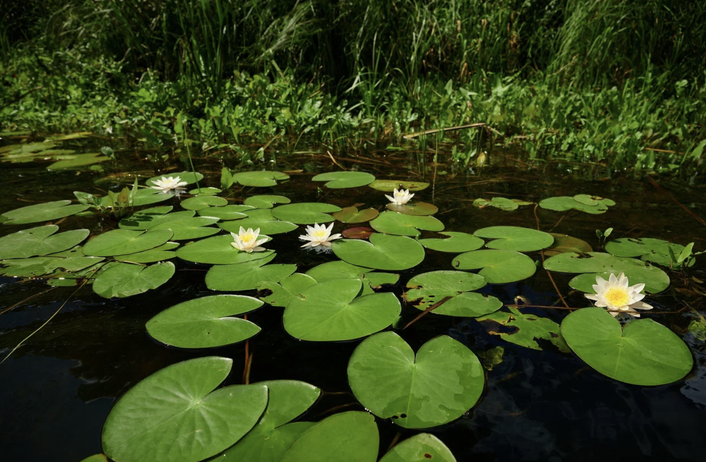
[
  {"x": 218, "y": 250},
  {"x": 637, "y": 271},
  {"x": 261, "y": 219},
  {"x": 391, "y": 185},
  {"x": 501, "y": 203},
  {"x": 205, "y": 322},
  {"x": 455, "y": 243},
  {"x": 70, "y": 260},
  {"x": 205, "y": 192},
  {"x": 340, "y": 180},
  {"x": 353, "y": 215},
  {"x": 285, "y": 290},
  {"x": 265, "y": 201},
  {"x": 176, "y": 414},
  {"x": 39, "y": 241},
  {"x": 96, "y": 458},
  {"x": 515, "y": 238},
  {"x": 143, "y": 219},
  {"x": 259, "y": 179},
  {"x": 305, "y": 213},
  {"x": 431, "y": 288},
  {"x": 438, "y": 386},
  {"x": 392, "y": 253},
  {"x": 585, "y": 199},
  {"x": 345, "y": 437},
  {"x": 272, "y": 436},
  {"x": 189, "y": 177},
  {"x": 77, "y": 161},
  {"x": 642, "y": 353},
  {"x": 41, "y": 212},
  {"x": 246, "y": 276},
  {"x": 123, "y": 242},
  {"x": 124, "y": 280},
  {"x": 526, "y": 329},
  {"x": 419, "y": 448},
  {"x": 414, "y": 208},
  {"x": 564, "y": 203},
  {"x": 405, "y": 225},
  {"x": 189, "y": 228},
  {"x": 564, "y": 244},
  {"x": 498, "y": 266},
  {"x": 161, "y": 253},
  {"x": 648, "y": 249},
  {"x": 331, "y": 311},
  {"x": 141, "y": 197},
  {"x": 203, "y": 202},
  {"x": 228, "y": 212},
  {"x": 342, "y": 270},
  {"x": 361, "y": 232}
]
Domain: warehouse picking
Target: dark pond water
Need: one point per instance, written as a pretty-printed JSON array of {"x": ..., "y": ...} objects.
[{"x": 57, "y": 389}]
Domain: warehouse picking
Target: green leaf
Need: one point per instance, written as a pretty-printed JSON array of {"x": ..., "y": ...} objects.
[
  {"x": 41, "y": 212},
  {"x": 144, "y": 219},
  {"x": 39, "y": 241},
  {"x": 266, "y": 201},
  {"x": 455, "y": 243},
  {"x": 176, "y": 414},
  {"x": 515, "y": 238},
  {"x": 259, "y": 179},
  {"x": 431, "y": 288},
  {"x": 77, "y": 161},
  {"x": 206, "y": 192},
  {"x": 71, "y": 260},
  {"x": 125, "y": 280},
  {"x": 228, "y": 212},
  {"x": 331, "y": 311},
  {"x": 565, "y": 203},
  {"x": 392, "y": 253},
  {"x": 188, "y": 228},
  {"x": 203, "y": 202},
  {"x": 123, "y": 242},
  {"x": 141, "y": 197},
  {"x": 413, "y": 208},
  {"x": 648, "y": 249},
  {"x": 564, "y": 243},
  {"x": 205, "y": 322},
  {"x": 246, "y": 276},
  {"x": 340, "y": 180},
  {"x": 527, "y": 329},
  {"x": 189, "y": 177},
  {"x": 218, "y": 250},
  {"x": 497, "y": 266},
  {"x": 345, "y": 437},
  {"x": 305, "y": 213},
  {"x": 405, "y": 225},
  {"x": 96, "y": 458},
  {"x": 419, "y": 448},
  {"x": 161, "y": 253},
  {"x": 353, "y": 215},
  {"x": 642, "y": 353},
  {"x": 438, "y": 386},
  {"x": 342, "y": 270},
  {"x": 501, "y": 203},
  {"x": 286, "y": 289},
  {"x": 391, "y": 185},
  {"x": 262, "y": 219}
]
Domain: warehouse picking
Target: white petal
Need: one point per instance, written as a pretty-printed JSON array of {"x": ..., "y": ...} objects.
[{"x": 641, "y": 306}]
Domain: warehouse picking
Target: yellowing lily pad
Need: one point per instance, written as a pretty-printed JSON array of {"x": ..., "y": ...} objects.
[
  {"x": 456, "y": 242},
  {"x": 340, "y": 180},
  {"x": 405, "y": 225},
  {"x": 497, "y": 266}
]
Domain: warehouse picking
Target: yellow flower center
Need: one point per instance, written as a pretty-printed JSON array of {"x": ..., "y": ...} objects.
[
  {"x": 319, "y": 234},
  {"x": 617, "y": 297},
  {"x": 247, "y": 237}
]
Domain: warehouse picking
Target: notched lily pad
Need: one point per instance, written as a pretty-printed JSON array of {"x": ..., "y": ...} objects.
[
  {"x": 589, "y": 204},
  {"x": 456, "y": 242},
  {"x": 526, "y": 329},
  {"x": 228, "y": 212},
  {"x": 41, "y": 240},
  {"x": 564, "y": 244},
  {"x": 262, "y": 219},
  {"x": 123, "y": 242},
  {"x": 501, "y": 203},
  {"x": 203, "y": 202},
  {"x": 648, "y": 249},
  {"x": 217, "y": 250},
  {"x": 391, "y": 185},
  {"x": 125, "y": 280},
  {"x": 205, "y": 192},
  {"x": 259, "y": 179},
  {"x": 454, "y": 286},
  {"x": 247, "y": 275},
  {"x": 419, "y": 448},
  {"x": 515, "y": 238},
  {"x": 497, "y": 266},
  {"x": 384, "y": 252},
  {"x": 405, "y": 225},
  {"x": 266, "y": 201},
  {"x": 353, "y": 215},
  {"x": 341, "y": 180},
  {"x": 41, "y": 212},
  {"x": 282, "y": 292},
  {"x": 305, "y": 213}
]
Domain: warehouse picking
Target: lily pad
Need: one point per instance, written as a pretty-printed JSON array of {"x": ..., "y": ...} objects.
[
  {"x": 205, "y": 322},
  {"x": 189, "y": 177},
  {"x": 218, "y": 250},
  {"x": 564, "y": 244},
  {"x": 455, "y": 243},
  {"x": 246, "y": 276},
  {"x": 123, "y": 242},
  {"x": 642, "y": 353},
  {"x": 259, "y": 179},
  {"x": 70, "y": 260},
  {"x": 345, "y": 437},
  {"x": 419, "y": 448},
  {"x": 384, "y": 252},
  {"x": 332, "y": 311},
  {"x": 41, "y": 212},
  {"x": 265, "y": 201},
  {"x": 431, "y": 288},
  {"x": 286, "y": 289},
  {"x": 648, "y": 249},
  {"x": 305, "y": 213},
  {"x": 141, "y": 197},
  {"x": 189, "y": 228},
  {"x": 125, "y": 280},
  {"x": 262, "y": 219},
  {"x": 203, "y": 202},
  {"x": 565, "y": 203},
  {"x": 228, "y": 212},
  {"x": 161, "y": 253},
  {"x": 360, "y": 232},
  {"x": 391, "y": 185},
  {"x": 273, "y": 435},
  {"x": 405, "y": 225},
  {"x": 96, "y": 458},
  {"x": 166, "y": 416},
  {"x": 41, "y": 240},
  {"x": 439, "y": 385},
  {"x": 526, "y": 329},
  {"x": 501, "y": 203},
  {"x": 77, "y": 161},
  {"x": 497, "y": 266},
  {"x": 414, "y": 208},
  {"x": 143, "y": 219},
  {"x": 341, "y": 180},
  {"x": 205, "y": 192},
  {"x": 353, "y": 215},
  {"x": 515, "y": 238},
  {"x": 342, "y": 270},
  {"x": 637, "y": 271}
]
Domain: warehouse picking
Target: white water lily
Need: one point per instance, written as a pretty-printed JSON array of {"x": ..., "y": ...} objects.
[
  {"x": 247, "y": 241},
  {"x": 168, "y": 183},
  {"x": 615, "y": 295},
  {"x": 319, "y": 235},
  {"x": 400, "y": 197}
]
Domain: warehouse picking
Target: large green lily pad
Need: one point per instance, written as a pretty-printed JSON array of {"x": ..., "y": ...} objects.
[
  {"x": 176, "y": 414},
  {"x": 259, "y": 179},
  {"x": 391, "y": 185},
  {"x": 228, "y": 212},
  {"x": 123, "y": 242},
  {"x": 405, "y": 225},
  {"x": 144, "y": 219},
  {"x": 515, "y": 238},
  {"x": 353, "y": 215},
  {"x": 205, "y": 191},
  {"x": 41, "y": 212},
  {"x": 341, "y": 180},
  {"x": 438, "y": 386},
  {"x": 648, "y": 249},
  {"x": 527, "y": 329},
  {"x": 125, "y": 280},
  {"x": 262, "y": 219},
  {"x": 456, "y": 242},
  {"x": 419, "y": 448},
  {"x": 203, "y": 202},
  {"x": 161, "y": 253},
  {"x": 642, "y": 353},
  {"x": 205, "y": 322},
  {"x": 305, "y": 213},
  {"x": 246, "y": 276},
  {"x": 41, "y": 240},
  {"x": 431, "y": 288},
  {"x": 332, "y": 311},
  {"x": 189, "y": 228},
  {"x": 564, "y": 203},
  {"x": 218, "y": 250},
  {"x": 284, "y": 291},
  {"x": 384, "y": 252},
  {"x": 141, "y": 197},
  {"x": 70, "y": 260},
  {"x": 497, "y": 266},
  {"x": 342, "y": 270},
  {"x": 266, "y": 201}
]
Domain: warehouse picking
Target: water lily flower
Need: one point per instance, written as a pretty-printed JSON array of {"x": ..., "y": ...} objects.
[
  {"x": 400, "y": 197},
  {"x": 247, "y": 241},
  {"x": 615, "y": 295},
  {"x": 168, "y": 183},
  {"x": 319, "y": 235}
]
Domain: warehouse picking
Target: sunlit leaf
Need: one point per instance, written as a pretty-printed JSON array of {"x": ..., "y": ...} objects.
[
  {"x": 456, "y": 242},
  {"x": 123, "y": 242},
  {"x": 413, "y": 208},
  {"x": 125, "y": 280},
  {"x": 353, "y": 215},
  {"x": 38, "y": 213},
  {"x": 203, "y": 202},
  {"x": 41, "y": 240},
  {"x": 515, "y": 238},
  {"x": 305, "y": 213},
  {"x": 246, "y": 276},
  {"x": 261, "y": 219},
  {"x": 405, "y": 225},
  {"x": 391, "y": 185},
  {"x": 286, "y": 289},
  {"x": 648, "y": 249},
  {"x": 431, "y": 288},
  {"x": 266, "y": 201},
  {"x": 497, "y": 266},
  {"x": 419, "y": 448},
  {"x": 526, "y": 329},
  {"x": 392, "y": 253},
  {"x": 340, "y": 180},
  {"x": 218, "y": 250}
]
